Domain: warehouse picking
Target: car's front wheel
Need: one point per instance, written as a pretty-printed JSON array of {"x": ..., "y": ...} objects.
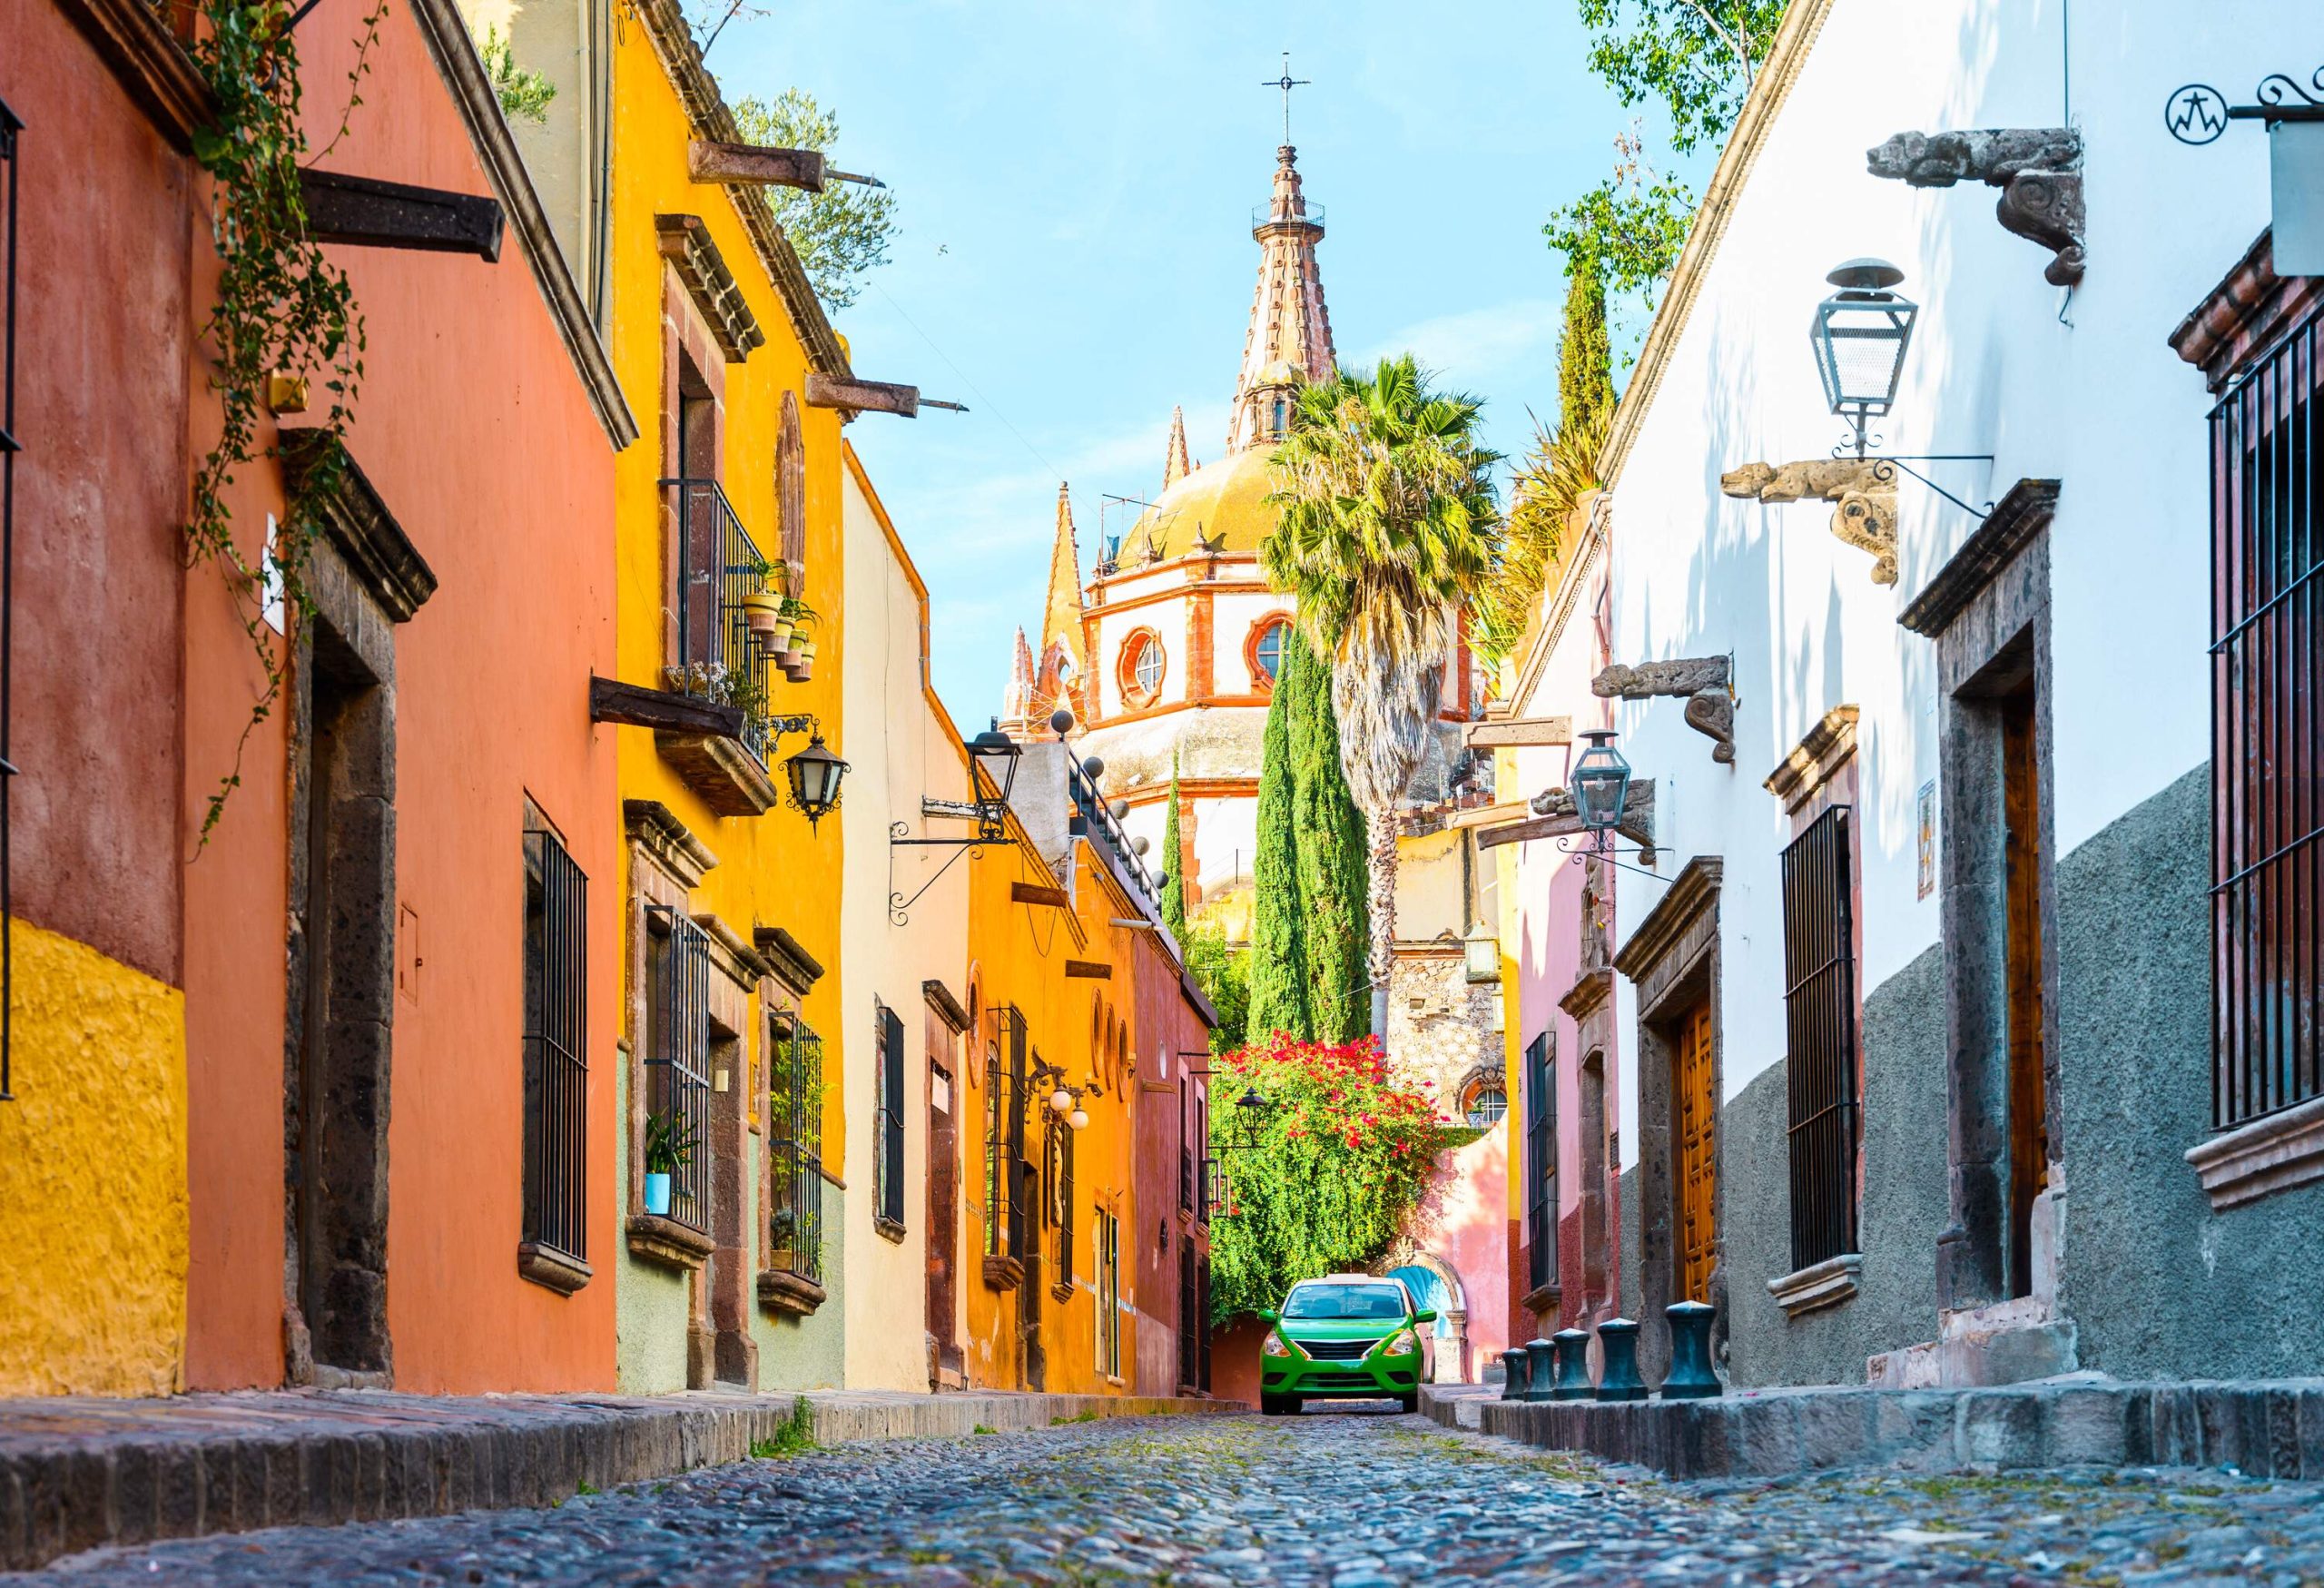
[{"x": 1409, "y": 1402}]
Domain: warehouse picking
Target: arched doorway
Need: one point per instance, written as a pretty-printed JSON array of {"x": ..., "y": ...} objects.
[{"x": 1435, "y": 1295}]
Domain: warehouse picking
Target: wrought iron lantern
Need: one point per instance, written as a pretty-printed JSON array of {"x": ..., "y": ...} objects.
[
  {"x": 1481, "y": 951},
  {"x": 1860, "y": 335},
  {"x": 994, "y": 756},
  {"x": 1599, "y": 783},
  {"x": 815, "y": 776}
]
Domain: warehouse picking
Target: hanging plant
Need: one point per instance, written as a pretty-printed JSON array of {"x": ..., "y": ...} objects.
[{"x": 281, "y": 307}]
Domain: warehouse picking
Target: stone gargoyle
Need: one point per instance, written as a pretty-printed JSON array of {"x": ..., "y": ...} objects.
[
  {"x": 1704, "y": 681},
  {"x": 1638, "y": 815},
  {"x": 1863, "y": 493},
  {"x": 2037, "y": 169}
]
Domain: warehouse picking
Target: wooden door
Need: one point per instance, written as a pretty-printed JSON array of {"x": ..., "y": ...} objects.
[
  {"x": 2029, "y": 1135},
  {"x": 1695, "y": 1169}
]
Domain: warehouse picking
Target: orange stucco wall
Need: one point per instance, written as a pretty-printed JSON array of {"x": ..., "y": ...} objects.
[{"x": 473, "y": 427}]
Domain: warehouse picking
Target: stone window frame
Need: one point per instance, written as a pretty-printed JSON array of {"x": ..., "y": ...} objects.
[
  {"x": 1818, "y": 774},
  {"x": 2240, "y": 323},
  {"x": 1988, "y": 611},
  {"x": 1672, "y": 959},
  {"x": 1136, "y": 695},
  {"x": 667, "y": 862}
]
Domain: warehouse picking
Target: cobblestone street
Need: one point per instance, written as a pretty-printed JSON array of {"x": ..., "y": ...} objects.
[{"x": 1348, "y": 1500}]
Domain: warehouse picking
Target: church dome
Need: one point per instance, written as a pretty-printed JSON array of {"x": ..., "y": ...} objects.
[{"x": 1225, "y": 501}]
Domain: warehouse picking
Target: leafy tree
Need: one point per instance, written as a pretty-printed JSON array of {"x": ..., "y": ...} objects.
[
  {"x": 1278, "y": 960},
  {"x": 1387, "y": 522},
  {"x": 1174, "y": 883},
  {"x": 524, "y": 95},
  {"x": 1225, "y": 977},
  {"x": 1343, "y": 1156},
  {"x": 1330, "y": 834},
  {"x": 1697, "y": 57},
  {"x": 840, "y": 233},
  {"x": 1627, "y": 231}
]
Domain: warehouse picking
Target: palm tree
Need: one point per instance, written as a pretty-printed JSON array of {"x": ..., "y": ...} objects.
[{"x": 1388, "y": 523}]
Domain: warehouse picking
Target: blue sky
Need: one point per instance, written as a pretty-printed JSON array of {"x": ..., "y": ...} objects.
[{"x": 1075, "y": 185}]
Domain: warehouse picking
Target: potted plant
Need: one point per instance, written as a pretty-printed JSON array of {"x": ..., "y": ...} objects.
[
  {"x": 783, "y": 1236},
  {"x": 669, "y": 1147},
  {"x": 763, "y": 607}
]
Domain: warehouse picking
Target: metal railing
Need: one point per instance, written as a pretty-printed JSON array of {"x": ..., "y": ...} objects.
[
  {"x": 2266, "y": 741},
  {"x": 794, "y": 1104},
  {"x": 557, "y": 1048},
  {"x": 1265, "y": 215},
  {"x": 888, "y": 1150},
  {"x": 1540, "y": 1163},
  {"x": 1819, "y": 1017},
  {"x": 1094, "y": 819},
  {"x": 678, "y": 1073},
  {"x": 717, "y": 564},
  {"x": 1004, "y": 1135}
]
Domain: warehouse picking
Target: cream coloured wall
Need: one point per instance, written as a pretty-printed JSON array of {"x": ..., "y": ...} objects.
[{"x": 902, "y": 749}]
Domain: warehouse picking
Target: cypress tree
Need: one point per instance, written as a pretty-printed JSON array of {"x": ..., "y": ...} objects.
[
  {"x": 1278, "y": 966},
  {"x": 1585, "y": 357},
  {"x": 1174, "y": 882},
  {"x": 1334, "y": 918}
]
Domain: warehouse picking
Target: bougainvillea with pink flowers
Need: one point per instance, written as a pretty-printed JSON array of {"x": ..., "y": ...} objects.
[{"x": 1318, "y": 1179}]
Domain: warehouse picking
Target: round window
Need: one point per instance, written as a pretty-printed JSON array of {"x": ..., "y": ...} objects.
[
  {"x": 1487, "y": 1104},
  {"x": 1142, "y": 667},
  {"x": 1268, "y": 652}
]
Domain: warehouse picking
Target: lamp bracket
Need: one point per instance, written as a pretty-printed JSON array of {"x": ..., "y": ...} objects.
[
  {"x": 1557, "y": 816},
  {"x": 1864, "y": 512},
  {"x": 2037, "y": 169},
  {"x": 899, "y": 836},
  {"x": 1707, "y": 683},
  {"x": 2196, "y": 113},
  {"x": 1884, "y": 466}
]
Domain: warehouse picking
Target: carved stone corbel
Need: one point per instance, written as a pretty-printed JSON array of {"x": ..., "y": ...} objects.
[
  {"x": 1705, "y": 682},
  {"x": 1864, "y": 515},
  {"x": 2037, "y": 169}
]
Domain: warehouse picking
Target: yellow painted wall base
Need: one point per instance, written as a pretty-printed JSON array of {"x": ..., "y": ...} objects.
[{"x": 93, "y": 1268}]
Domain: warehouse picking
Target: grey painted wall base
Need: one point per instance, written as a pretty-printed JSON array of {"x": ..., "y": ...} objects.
[
  {"x": 2262, "y": 1429},
  {"x": 79, "y": 1473}
]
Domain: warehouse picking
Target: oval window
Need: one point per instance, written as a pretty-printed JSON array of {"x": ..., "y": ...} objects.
[
  {"x": 1142, "y": 668},
  {"x": 1268, "y": 652}
]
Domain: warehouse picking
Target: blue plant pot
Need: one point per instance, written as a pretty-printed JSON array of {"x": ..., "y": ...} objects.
[{"x": 657, "y": 1194}]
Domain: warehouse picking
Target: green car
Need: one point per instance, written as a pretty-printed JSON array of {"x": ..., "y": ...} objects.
[{"x": 1346, "y": 1337}]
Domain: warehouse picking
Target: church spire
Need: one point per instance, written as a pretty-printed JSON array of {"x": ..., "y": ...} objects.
[
  {"x": 1290, "y": 339},
  {"x": 1176, "y": 467},
  {"x": 1061, "y": 613},
  {"x": 1016, "y": 703}
]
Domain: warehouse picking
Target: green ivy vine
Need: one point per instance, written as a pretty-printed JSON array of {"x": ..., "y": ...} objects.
[{"x": 281, "y": 307}]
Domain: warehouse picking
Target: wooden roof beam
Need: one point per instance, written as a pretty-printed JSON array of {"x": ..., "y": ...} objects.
[{"x": 871, "y": 397}]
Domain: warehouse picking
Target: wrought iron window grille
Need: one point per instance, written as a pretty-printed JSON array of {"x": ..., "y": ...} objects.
[
  {"x": 11, "y": 132},
  {"x": 1819, "y": 1015},
  {"x": 1004, "y": 1141},
  {"x": 557, "y": 1048},
  {"x": 678, "y": 1066},
  {"x": 717, "y": 565},
  {"x": 1541, "y": 1163},
  {"x": 2267, "y": 734},
  {"x": 795, "y": 1150},
  {"x": 887, "y": 1151}
]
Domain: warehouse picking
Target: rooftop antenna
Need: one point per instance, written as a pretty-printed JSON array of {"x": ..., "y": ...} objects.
[{"x": 1287, "y": 82}]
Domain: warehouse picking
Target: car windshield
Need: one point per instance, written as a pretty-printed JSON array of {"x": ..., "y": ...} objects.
[{"x": 1378, "y": 1303}]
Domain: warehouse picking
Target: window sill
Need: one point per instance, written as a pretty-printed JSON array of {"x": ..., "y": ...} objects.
[
  {"x": 668, "y": 1242},
  {"x": 546, "y": 1265},
  {"x": 2265, "y": 1156},
  {"x": 1003, "y": 1273},
  {"x": 788, "y": 1294},
  {"x": 889, "y": 1229},
  {"x": 1819, "y": 1284},
  {"x": 1544, "y": 1298}
]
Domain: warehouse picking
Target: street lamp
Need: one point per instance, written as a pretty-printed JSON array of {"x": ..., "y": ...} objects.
[
  {"x": 1860, "y": 333},
  {"x": 1599, "y": 784},
  {"x": 995, "y": 755},
  {"x": 815, "y": 774},
  {"x": 1482, "y": 950}
]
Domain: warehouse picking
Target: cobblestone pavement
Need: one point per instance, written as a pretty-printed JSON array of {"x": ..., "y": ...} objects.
[{"x": 1344, "y": 1500}]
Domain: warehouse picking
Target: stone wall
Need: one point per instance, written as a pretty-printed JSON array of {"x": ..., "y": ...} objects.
[
  {"x": 1904, "y": 1200},
  {"x": 1440, "y": 1025},
  {"x": 2158, "y": 1285}
]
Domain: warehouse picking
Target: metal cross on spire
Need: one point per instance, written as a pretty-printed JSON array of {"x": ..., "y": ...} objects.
[{"x": 1287, "y": 82}]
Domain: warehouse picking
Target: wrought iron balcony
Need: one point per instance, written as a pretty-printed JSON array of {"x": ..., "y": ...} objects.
[
  {"x": 1094, "y": 819},
  {"x": 718, "y": 564}
]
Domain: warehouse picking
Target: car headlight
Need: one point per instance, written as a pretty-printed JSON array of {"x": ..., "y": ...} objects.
[
  {"x": 1273, "y": 1345},
  {"x": 1403, "y": 1343}
]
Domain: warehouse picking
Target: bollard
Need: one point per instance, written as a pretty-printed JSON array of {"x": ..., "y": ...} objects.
[
  {"x": 1572, "y": 1380},
  {"x": 1618, "y": 1378},
  {"x": 1691, "y": 1376},
  {"x": 1513, "y": 1373},
  {"x": 1537, "y": 1369}
]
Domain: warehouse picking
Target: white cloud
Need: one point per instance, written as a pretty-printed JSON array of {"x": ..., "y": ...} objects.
[{"x": 1470, "y": 349}]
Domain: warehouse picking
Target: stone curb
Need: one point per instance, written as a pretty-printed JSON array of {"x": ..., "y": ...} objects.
[
  {"x": 82, "y": 1474},
  {"x": 2263, "y": 1429}
]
